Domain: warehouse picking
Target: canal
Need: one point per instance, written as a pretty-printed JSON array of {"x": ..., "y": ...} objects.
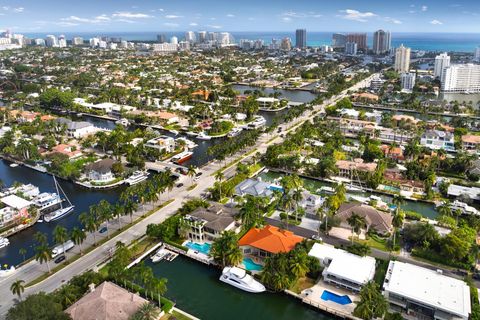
[
  {"x": 291, "y": 95},
  {"x": 82, "y": 198},
  {"x": 425, "y": 209},
  {"x": 196, "y": 289}
]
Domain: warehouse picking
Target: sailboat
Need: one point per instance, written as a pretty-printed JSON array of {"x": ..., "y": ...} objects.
[{"x": 62, "y": 211}]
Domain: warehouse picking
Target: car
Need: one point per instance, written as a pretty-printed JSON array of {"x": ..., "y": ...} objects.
[
  {"x": 103, "y": 230},
  {"x": 316, "y": 237},
  {"x": 60, "y": 259},
  {"x": 179, "y": 185},
  {"x": 199, "y": 173}
]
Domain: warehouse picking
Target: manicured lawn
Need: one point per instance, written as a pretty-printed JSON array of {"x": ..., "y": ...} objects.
[
  {"x": 302, "y": 284},
  {"x": 175, "y": 315}
]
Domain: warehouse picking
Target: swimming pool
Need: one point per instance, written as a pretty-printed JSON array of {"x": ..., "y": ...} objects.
[
  {"x": 275, "y": 188},
  {"x": 203, "y": 248},
  {"x": 343, "y": 300},
  {"x": 250, "y": 265}
]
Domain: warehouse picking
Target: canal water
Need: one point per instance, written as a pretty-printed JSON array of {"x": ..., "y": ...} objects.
[
  {"x": 291, "y": 95},
  {"x": 196, "y": 289},
  {"x": 425, "y": 209},
  {"x": 82, "y": 198}
]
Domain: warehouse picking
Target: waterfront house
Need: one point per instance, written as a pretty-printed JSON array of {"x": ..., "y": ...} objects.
[
  {"x": 14, "y": 208},
  {"x": 207, "y": 224},
  {"x": 398, "y": 119},
  {"x": 267, "y": 241},
  {"x": 77, "y": 129},
  {"x": 471, "y": 142},
  {"x": 70, "y": 151},
  {"x": 311, "y": 202},
  {"x": 349, "y": 169},
  {"x": 106, "y": 302},
  {"x": 395, "y": 177},
  {"x": 100, "y": 171},
  {"x": 422, "y": 293},
  {"x": 162, "y": 144},
  {"x": 343, "y": 269},
  {"x": 380, "y": 221},
  {"x": 436, "y": 139},
  {"x": 391, "y": 152},
  {"x": 254, "y": 188}
]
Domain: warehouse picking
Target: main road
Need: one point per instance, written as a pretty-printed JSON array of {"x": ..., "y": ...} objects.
[{"x": 91, "y": 260}]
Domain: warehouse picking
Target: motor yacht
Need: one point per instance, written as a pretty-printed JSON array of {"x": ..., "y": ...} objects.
[{"x": 240, "y": 279}]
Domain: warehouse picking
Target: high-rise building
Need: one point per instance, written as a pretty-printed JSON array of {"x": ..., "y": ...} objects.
[
  {"x": 407, "y": 80},
  {"x": 77, "y": 41},
  {"x": 382, "y": 42},
  {"x": 359, "y": 38},
  {"x": 51, "y": 41},
  {"x": 202, "y": 36},
  {"x": 441, "y": 62},
  {"x": 225, "y": 38},
  {"x": 351, "y": 48},
  {"x": 286, "y": 44},
  {"x": 402, "y": 59},
  {"x": 62, "y": 41},
  {"x": 462, "y": 78},
  {"x": 174, "y": 40},
  {"x": 190, "y": 37},
  {"x": 94, "y": 42},
  {"x": 339, "y": 40},
  {"x": 476, "y": 55},
  {"x": 161, "y": 38},
  {"x": 301, "y": 38}
]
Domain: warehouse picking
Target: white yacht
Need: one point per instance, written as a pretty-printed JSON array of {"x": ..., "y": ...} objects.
[
  {"x": 188, "y": 143},
  {"x": 259, "y": 122},
  {"x": 159, "y": 255},
  {"x": 175, "y": 132},
  {"x": 203, "y": 136},
  {"x": 136, "y": 177},
  {"x": 326, "y": 189},
  {"x": 235, "y": 132},
  {"x": 4, "y": 242},
  {"x": 240, "y": 279},
  {"x": 352, "y": 188},
  {"x": 123, "y": 122},
  {"x": 46, "y": 200},
  {"x": 13, "y": 165},
  {"x": 463, "y": 207},
  {"x": 59, "y": 213}
]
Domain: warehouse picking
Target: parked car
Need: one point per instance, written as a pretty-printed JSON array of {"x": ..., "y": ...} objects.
[
  {"x": 317, "y": 237},
  {"x": 103, "y": 230},
  {"x": 199, "y": 173},
  {"x": 179, "y": 185},
  {"x": 60, "y": 259}
]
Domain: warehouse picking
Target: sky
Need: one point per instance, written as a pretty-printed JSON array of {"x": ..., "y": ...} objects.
[{"x": 246, "y": 15}]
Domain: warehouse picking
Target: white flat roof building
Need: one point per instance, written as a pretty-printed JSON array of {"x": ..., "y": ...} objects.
[
  {"x": 342, "y": 268},
  {"x": 425, "y": 293},
  {"x": 15, "y": 202},
  {"x": 463, "y": 78}
]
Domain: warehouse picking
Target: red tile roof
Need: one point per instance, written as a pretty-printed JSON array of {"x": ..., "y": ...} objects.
[{"x": 270, "y": 239}]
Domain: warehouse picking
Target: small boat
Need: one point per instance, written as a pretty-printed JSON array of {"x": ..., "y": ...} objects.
[
  {"x": 123, "y": 122},
  {"x": 46, "y": 200},
  {"x": 136, "y": 177},
  {"x": 175, "y": 132},
  {"x": 159, "y": 255},
  {"x": 203, "y": 136},
  {"x": 4, "y": 242},
  {"x": 192, "y": 134},
  {"x": 463, "y": 207},
  {"x": 240, "y": 279},
  {"x": 182, "y": 157},
  {"x": 353, "y": 188},
  {"x": 188, "y": 143},
  {"x": 59, "y": 213},
  {"x": 235, "y": 132},
  {"x": 13, "y": 165},
  {"x": 326, "y": 189}
]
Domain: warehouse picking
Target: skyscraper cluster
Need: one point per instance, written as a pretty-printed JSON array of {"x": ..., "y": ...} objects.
[{"x": 382, "y": 42}]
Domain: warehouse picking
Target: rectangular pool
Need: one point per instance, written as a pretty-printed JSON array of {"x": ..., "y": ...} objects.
[
  {"x": 330, "y": 296},
  {"x": 203, "y": 247}
]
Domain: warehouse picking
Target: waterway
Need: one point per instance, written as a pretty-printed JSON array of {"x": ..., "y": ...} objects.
[
  {"x": 196, "y": 289},
  {"x": 82, "y": 198},
  {"x": 291, "y": 95},
  {"x": 425, "y": 209}
]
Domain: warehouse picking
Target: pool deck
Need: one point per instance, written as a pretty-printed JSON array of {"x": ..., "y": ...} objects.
[{"x": 312, "y": 296}]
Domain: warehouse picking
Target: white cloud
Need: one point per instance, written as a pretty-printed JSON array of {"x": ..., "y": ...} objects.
[
  {"x": 172, "y": 16},
  {"x": 355, "y": 15},
  {"x": 97, "y": 20},
  {"x": 215, "y": 26},
  {"x": 19, "y": 9},
  {"x": 171, "y": 24},
  {"x": 102, "y": 17},
  {"x": 230, "y": 15},
  {"x": 392, "y": 20},
  {"x": 411, "y": 11},
  {"x": 436, "y": 22},
  {"x": 66, "y": 24},
  {"x": 131, "y": 15},
  {"x": 125, "y": 20},
  {"x": 293, "y": 14},
  {"x": 13, "y": 9},
  {"x": 286, "y": 19},
  {"x": 193, "y": 24},
  {"x": 424, "y": 8}
]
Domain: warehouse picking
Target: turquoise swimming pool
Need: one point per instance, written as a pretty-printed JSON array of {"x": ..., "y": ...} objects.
[
  {"x": 203, "y": 247},
  {"x": 330, "y": 296},
  {"x": 250, "y": 265}
]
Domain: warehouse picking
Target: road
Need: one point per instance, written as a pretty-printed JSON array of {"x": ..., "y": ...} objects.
[{"x": 33, "y": 269}]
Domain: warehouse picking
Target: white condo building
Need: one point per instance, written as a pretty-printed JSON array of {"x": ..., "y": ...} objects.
[
  {"x": 422, "y": 293},
  {"x": 476, "y": 55},
  {"x": 402, "y": 59},
  {"x": 407, "y": 80},
  {"x": 441, "y": 62},
  {"x": 462, "y": 78},
  {"x": 51, "y": 41},
  {"x": 190, "y": 36}
]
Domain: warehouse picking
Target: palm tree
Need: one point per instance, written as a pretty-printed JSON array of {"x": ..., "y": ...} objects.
[
  {"x": 226, "y": 250},
  {"x": 22, "y": 252},
  {"x": 60, "y": 235},
  {"x": 219, "y": 176},
  {"x": 90, "y": 224},
  {"x": 299, "y": 264},
  {"x": 43, "y": 255},
  {"x": 78, "y": 236},
  {"x": 191, "y": 173},
  {"x": 357, "y": 223},
  {"x": 398, "y": 200},
  {"x": 129, "y": 207},
  {"x": 18, "y": 288},
  {"x": 372, "y": 303},
  {"x": 147, "y": 311},
  {"x": 105, "y": 214}
]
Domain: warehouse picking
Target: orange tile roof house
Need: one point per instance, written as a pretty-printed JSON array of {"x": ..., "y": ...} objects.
[
  {"x": 470, "y": 142},
  {"x": 268, "y": 241},
  {"x": 106, "y": 302}
]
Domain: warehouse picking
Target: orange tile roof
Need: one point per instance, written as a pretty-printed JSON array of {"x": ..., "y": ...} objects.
[
  {"x": 270, "y": 239},
  {"x": 470, "y": 138}
]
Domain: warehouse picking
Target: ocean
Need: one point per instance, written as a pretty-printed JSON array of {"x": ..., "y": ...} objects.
[{"x": 458, "y": 42}]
